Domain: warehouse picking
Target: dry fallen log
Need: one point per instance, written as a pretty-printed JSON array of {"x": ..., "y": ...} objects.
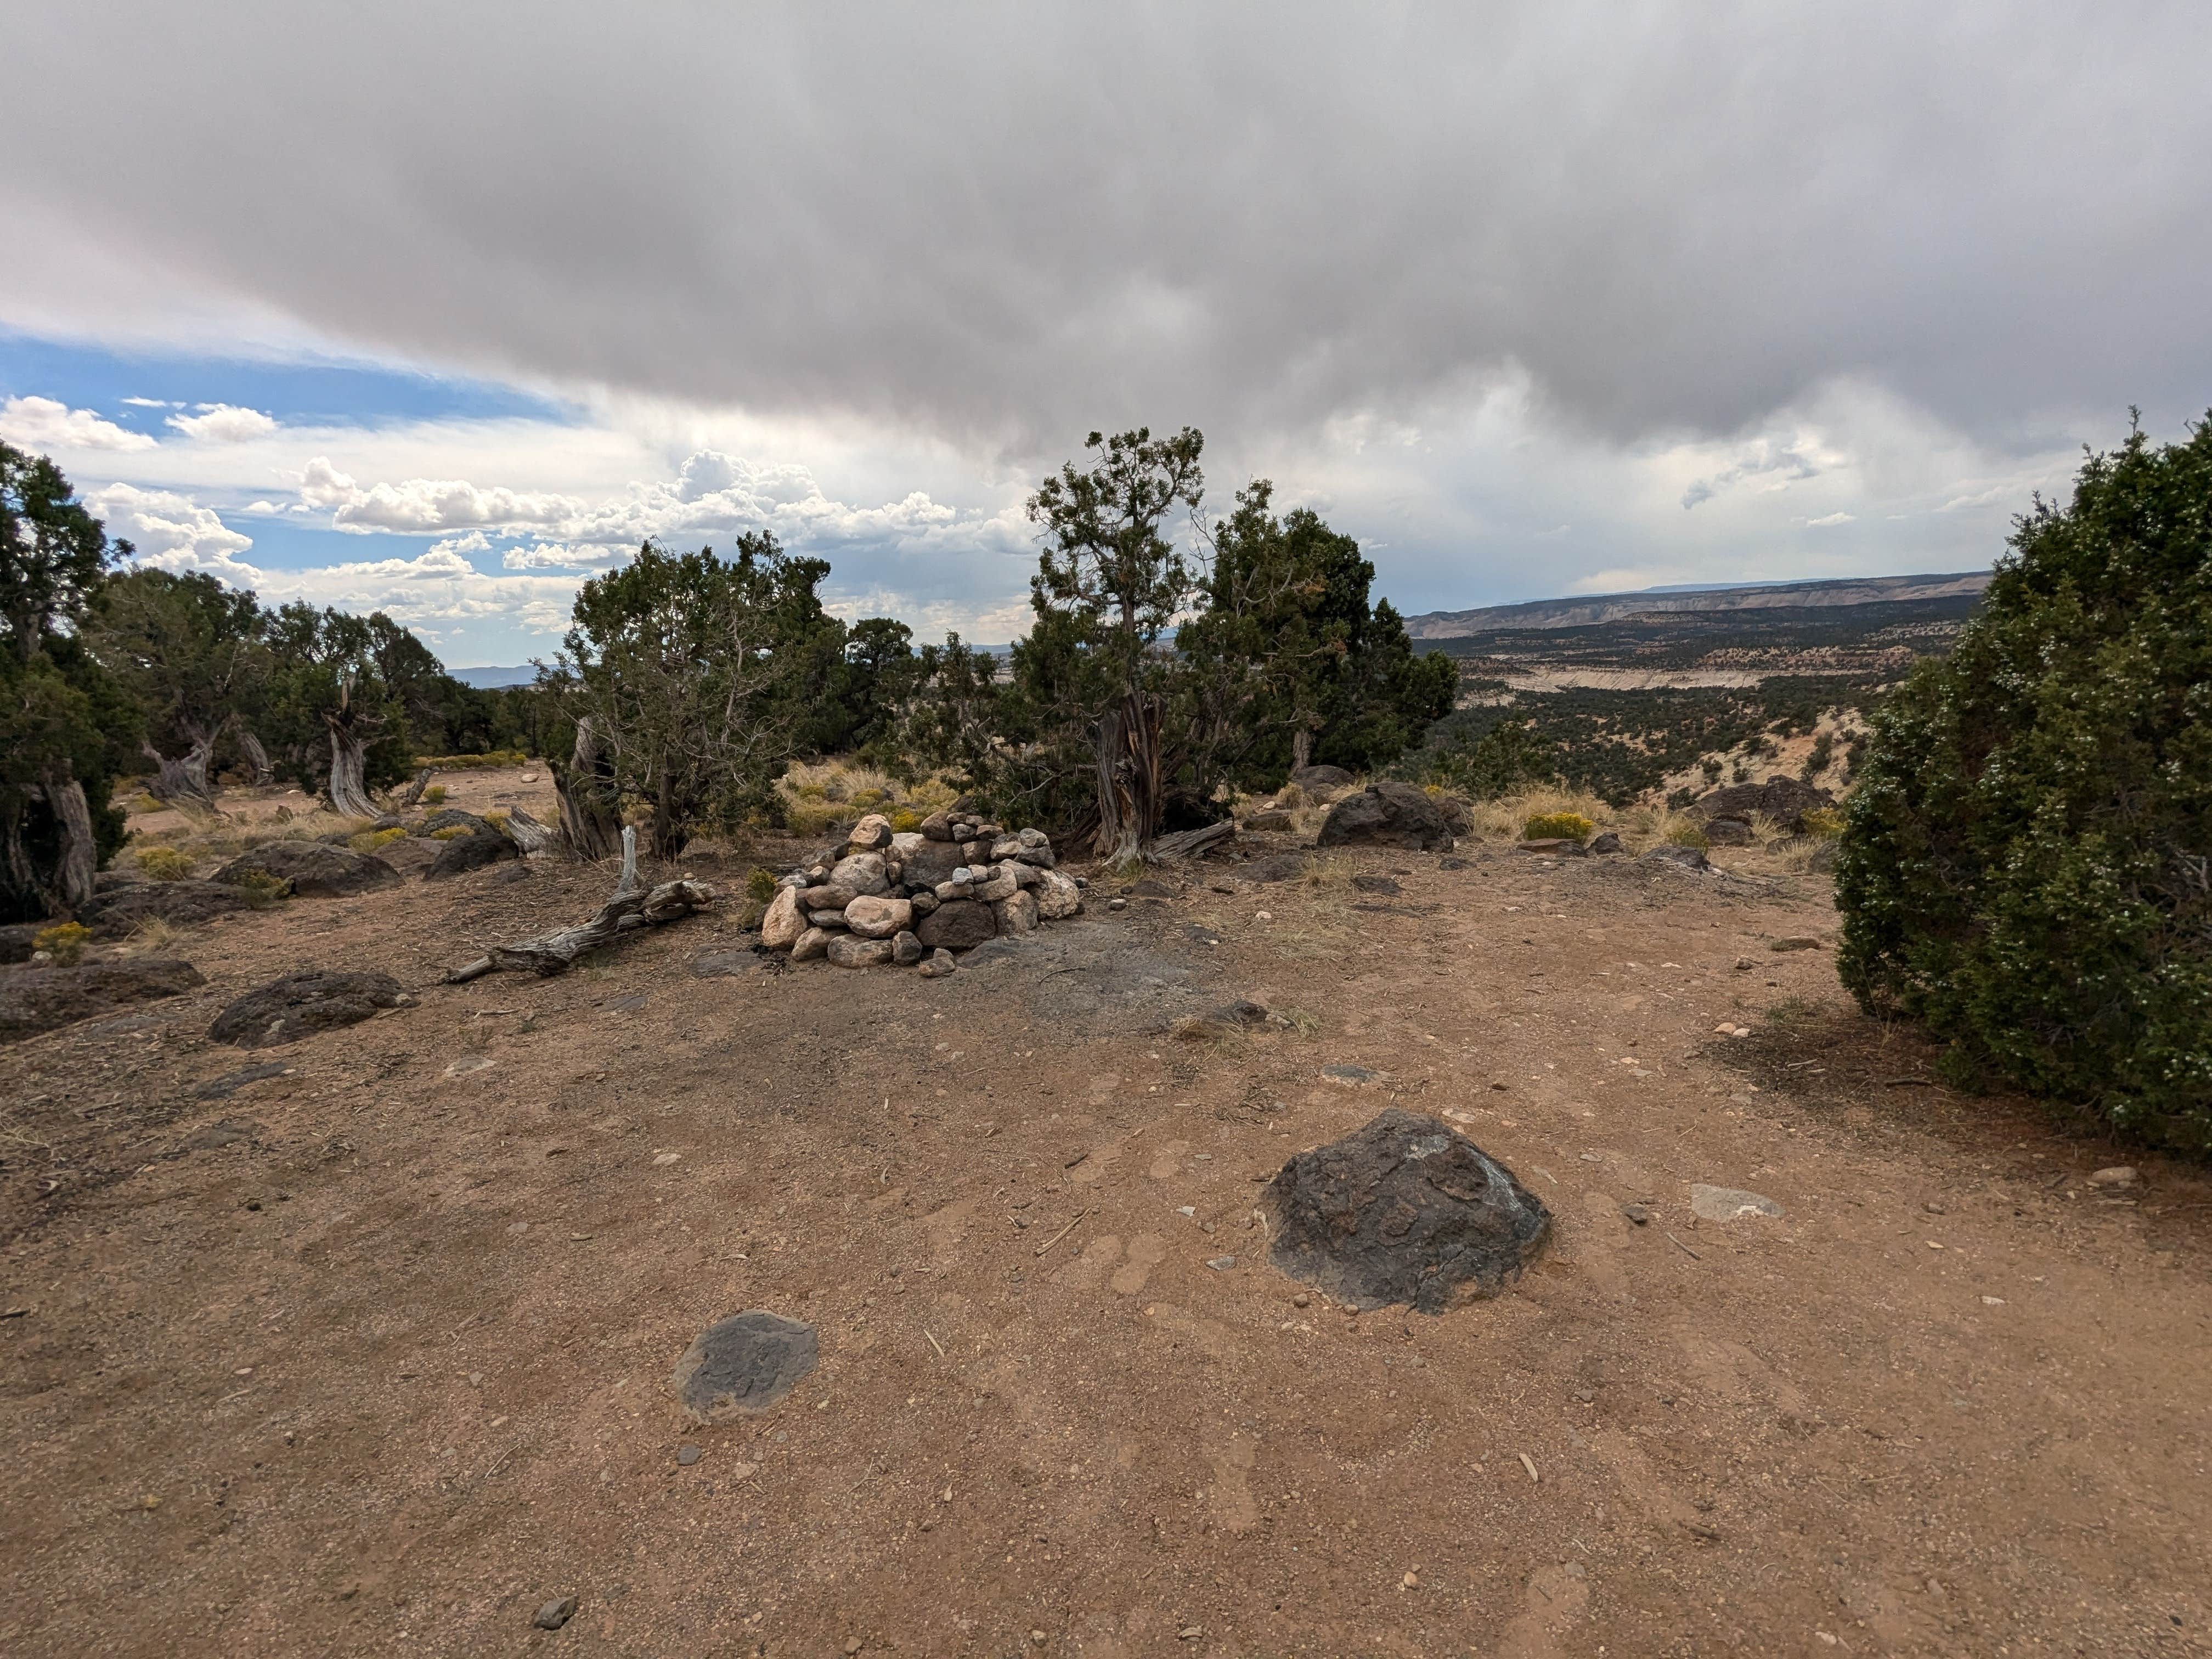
[
  {"x": 1188, "y": 843},
  {"x": 406, "y": 798},
  {"x": 631, "y": 906}
]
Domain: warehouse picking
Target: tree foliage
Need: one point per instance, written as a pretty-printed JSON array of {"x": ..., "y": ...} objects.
[
  {"x": 693, "y": 671},
  {"x": 66, "y": 726},
  {"x": 2025, "y": 866},
  {"x": 1159, "y": 673}
]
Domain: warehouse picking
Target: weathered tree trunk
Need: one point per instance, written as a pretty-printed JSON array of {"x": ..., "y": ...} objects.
[
  {"x": 632, "y": 907},
  {"x": 527, "y": 833},
  {"x": 1302, "y": 748},
  {"x": 585, "y": 789},
  {"x": 183, "y": 780},
  {"x": 79, "y": 854},
  {"x": 349, "y": 786},
  {"x": 350, "y": 729},
  {"x": 258, "y": 765},
  {"x": 413, "y": 793},
  {"x": 1128, "y": 757}
]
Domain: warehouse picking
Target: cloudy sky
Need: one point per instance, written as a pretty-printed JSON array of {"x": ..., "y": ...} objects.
[{"x": 440, "y": 309}]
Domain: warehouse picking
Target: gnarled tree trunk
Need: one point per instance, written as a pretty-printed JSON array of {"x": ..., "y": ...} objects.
[
  {"x": 79, "y": 854},
  {"x": 1128, "y": 757},
  {"x": 586, "y": 791},
  {"x": 1300, "y": 748},
  {"x": 183, "y": 780},
  {"x": 258, "y": 764},
  {"x": 413, "y": 793},
  {"x": 350, "y": 730}
]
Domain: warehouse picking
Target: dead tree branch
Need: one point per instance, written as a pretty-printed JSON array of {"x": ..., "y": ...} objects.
[{"x": 632, "y": 907}]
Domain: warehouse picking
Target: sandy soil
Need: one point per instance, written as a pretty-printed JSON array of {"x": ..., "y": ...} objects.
[{"x": 373, "y": 1356}]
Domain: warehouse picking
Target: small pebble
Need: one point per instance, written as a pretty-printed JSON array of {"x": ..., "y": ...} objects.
[
  {"x": 687, "y": 1456},
  {"x": 1300, "y": 1300},
  {"x": 555, "y": 1612},
  {"x": 1639, "y": 1213},
  {"x": 1222, "y": 1264}
]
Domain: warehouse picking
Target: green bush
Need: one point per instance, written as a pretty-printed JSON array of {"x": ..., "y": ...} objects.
[
  {"x": 1557, "y": 826},
  {"x": 2023, "y": 867},
  {"x": 435, "y": 795}
]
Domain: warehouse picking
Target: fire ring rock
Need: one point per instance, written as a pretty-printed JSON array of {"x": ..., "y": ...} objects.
[
  {"x": 742, "y": 1364},
  {"x": 1406, "y": 1211}
]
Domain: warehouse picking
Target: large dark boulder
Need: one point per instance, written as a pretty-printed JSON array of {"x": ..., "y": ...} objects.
[
  {"x": 1387, "y": 814},
  {"x": 1784, "y": 800},
  {"x": 1407, "y": 1210},
  {"x": 181, "y": 903},
  {"x": 959, "y": 925},
  {"x": 465, "y": 852},
  {"x": 34, "y": 1000},
  {"x": 311, "y": 869},
  {"x": 300, "y": 1005},
  {"x": 18, "y": 940},
  {"x": 451, "y": 817},
  {"x": 932, "y": 862},
  {"x": 1311, "y": 778}
]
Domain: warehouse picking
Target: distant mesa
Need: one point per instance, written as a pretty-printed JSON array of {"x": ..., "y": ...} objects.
[
  {"x": 1619, "y": 607},
  {"x": 494, "y": 679}
]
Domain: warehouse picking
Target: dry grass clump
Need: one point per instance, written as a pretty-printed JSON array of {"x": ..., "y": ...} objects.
[
  {"x": 820, "y": 796},
  {"x": 435, "y": 795},
  {"x": 368, "y": 841},
  {"x": 163, "y": 863},
  {"x": 152, "y": 937}
]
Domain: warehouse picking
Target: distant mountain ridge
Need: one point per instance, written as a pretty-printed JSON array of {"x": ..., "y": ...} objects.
[
  {"x": 1618, "y": 607},
  {"x": 492, "y": 679}
]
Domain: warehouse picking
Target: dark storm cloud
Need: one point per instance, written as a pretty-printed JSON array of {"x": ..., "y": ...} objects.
[{"x": 1007, "y": 224}]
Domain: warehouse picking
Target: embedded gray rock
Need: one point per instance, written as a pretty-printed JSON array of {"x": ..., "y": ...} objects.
[
  {"x": 300, "y": 1005},
  {"x": 1685, "y": 858},
  {"x": 1404, "y": 1210},
  {"x": 465, "y": 852},
  {"x": 41, "y": 997},
  {"x": 311, "y": 869},
  {"x": 181, "y": 903},
  {"x": 743, "y": 1364},
  {"x": 1729, "y": 1203}
]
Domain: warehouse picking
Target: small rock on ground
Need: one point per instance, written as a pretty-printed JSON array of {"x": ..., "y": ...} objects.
[
  {"x": 557, "y": 1612},
  {"x": 743, "y": 1364},
  {"x": 1729, "y": 1203}
]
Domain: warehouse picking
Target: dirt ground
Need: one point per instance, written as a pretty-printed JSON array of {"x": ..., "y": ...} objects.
[{"x": 373, "y": 1356}]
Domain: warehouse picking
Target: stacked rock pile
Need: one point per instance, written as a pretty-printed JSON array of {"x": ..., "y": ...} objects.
[{"x": 917, "y": 897}]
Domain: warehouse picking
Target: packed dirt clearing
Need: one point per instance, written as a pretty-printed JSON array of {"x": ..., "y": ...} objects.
[{"x": 365, "y": 1343}]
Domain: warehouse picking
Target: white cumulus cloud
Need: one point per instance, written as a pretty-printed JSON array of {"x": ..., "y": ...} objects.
[
  {"x": 174, "y": 532},
  {"x": 419, "y": 504},
  {"x": 224, "y": 423},
  {"x": 41, "y": 423},
  {"x": 1831, "y": 519}
]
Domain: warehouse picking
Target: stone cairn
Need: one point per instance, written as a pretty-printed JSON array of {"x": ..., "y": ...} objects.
[{"x": 915, "y": 898}]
